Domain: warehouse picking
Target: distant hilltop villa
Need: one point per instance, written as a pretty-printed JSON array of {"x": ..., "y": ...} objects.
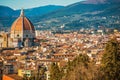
[{"x": 22, "y": 33}]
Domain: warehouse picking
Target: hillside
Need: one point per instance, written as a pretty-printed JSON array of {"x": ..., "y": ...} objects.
[
  {"x": 8, "y": 15},
  {"x": 81, "y": 8},
  {"x": 85, "y": 14},
  {"x": 6, "y": 11},
  {"x": 82, "y": 15},
  {"x": 38, "y": 11},
  {"x": 100, "y": 1}
]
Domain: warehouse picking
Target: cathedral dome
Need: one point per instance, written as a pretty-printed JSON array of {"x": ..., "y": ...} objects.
[
  {"x": 21, "y": 30},
  {"x": 22, "y": 24}
]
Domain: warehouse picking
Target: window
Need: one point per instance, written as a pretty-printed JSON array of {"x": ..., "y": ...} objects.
[
  {"x": 26, "y": 35},
  {"x": 17, "y": 35}
]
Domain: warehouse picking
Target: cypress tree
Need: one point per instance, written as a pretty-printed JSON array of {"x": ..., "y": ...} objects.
[
  {"x": 78, "y": 68},
  {"x": 55, "y": 73},
  {"x": 111, "y": 61}
]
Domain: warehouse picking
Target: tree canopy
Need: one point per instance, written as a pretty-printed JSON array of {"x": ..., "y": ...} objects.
[
  {"x": 111, "y": 61},
  {"x": 55, "y": 73}
]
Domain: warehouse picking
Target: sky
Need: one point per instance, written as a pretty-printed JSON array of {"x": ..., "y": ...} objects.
[{"x": 18, "y": 4}]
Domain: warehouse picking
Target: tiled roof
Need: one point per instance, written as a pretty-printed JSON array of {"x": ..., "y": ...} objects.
[{"x": 22, "y": 23}]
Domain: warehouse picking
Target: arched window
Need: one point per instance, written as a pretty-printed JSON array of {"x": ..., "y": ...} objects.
[{"x": 18, "y": 35}]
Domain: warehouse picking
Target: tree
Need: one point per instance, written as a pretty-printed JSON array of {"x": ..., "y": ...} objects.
[
  {"x": 25, "y": 77},
  {"x": 55, "y": 73},
  {"x": 82, "y": 60},
  {"x": 79, "y": 69},
  {"x": 111, "y": 61},
  {"x": 42, "y": 73},
  {"x": 32, "y": 77}
]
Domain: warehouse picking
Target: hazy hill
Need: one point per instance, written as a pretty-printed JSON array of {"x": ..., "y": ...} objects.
[
  {"x": 6, "y": 11},
  {"x": 8, "y": 15},
  {"x": 75, "y": 16},
  {"x": 98, "y": 7},
  {"x": 38, "y": 11},
  {"x": 100, "y": 1},
  {"x": 82, "y": 14}
]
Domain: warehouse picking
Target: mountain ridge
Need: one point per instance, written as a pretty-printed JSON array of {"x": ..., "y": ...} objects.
[
  {"x": 8, "y": 15},
  {"x": 6, "y": 11},
  {"x": 81, "y": 8},
  {"x": 100, "y": 1},
  {"x": 73, "y": 14}
]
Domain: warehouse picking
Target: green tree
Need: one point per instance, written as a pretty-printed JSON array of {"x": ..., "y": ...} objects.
[
  {"x": 79, "y": 69},
  {"x": 55, "y": 73},
  {"x": 25, "y": 77},
  {"x": 111, "y": 61},
  {"x": 42, "y": 73},
  {"x": 82, "y": 60},
  {"x": 32, "y": 77}
]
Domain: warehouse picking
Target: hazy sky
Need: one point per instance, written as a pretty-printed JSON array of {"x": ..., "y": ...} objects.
[{"x": 17, "y": 4}]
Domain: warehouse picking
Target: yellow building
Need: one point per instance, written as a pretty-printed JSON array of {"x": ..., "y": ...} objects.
[{"x": 27, "y": 73}]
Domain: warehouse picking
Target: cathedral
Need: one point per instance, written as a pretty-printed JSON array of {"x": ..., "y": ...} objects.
[{"x": 22, "y": 32}]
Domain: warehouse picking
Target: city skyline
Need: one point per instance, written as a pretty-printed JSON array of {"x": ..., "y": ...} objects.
[{"x": 35, "y": 3}]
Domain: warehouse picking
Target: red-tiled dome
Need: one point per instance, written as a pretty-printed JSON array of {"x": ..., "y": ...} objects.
[{"x": 22, "y": 24}]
